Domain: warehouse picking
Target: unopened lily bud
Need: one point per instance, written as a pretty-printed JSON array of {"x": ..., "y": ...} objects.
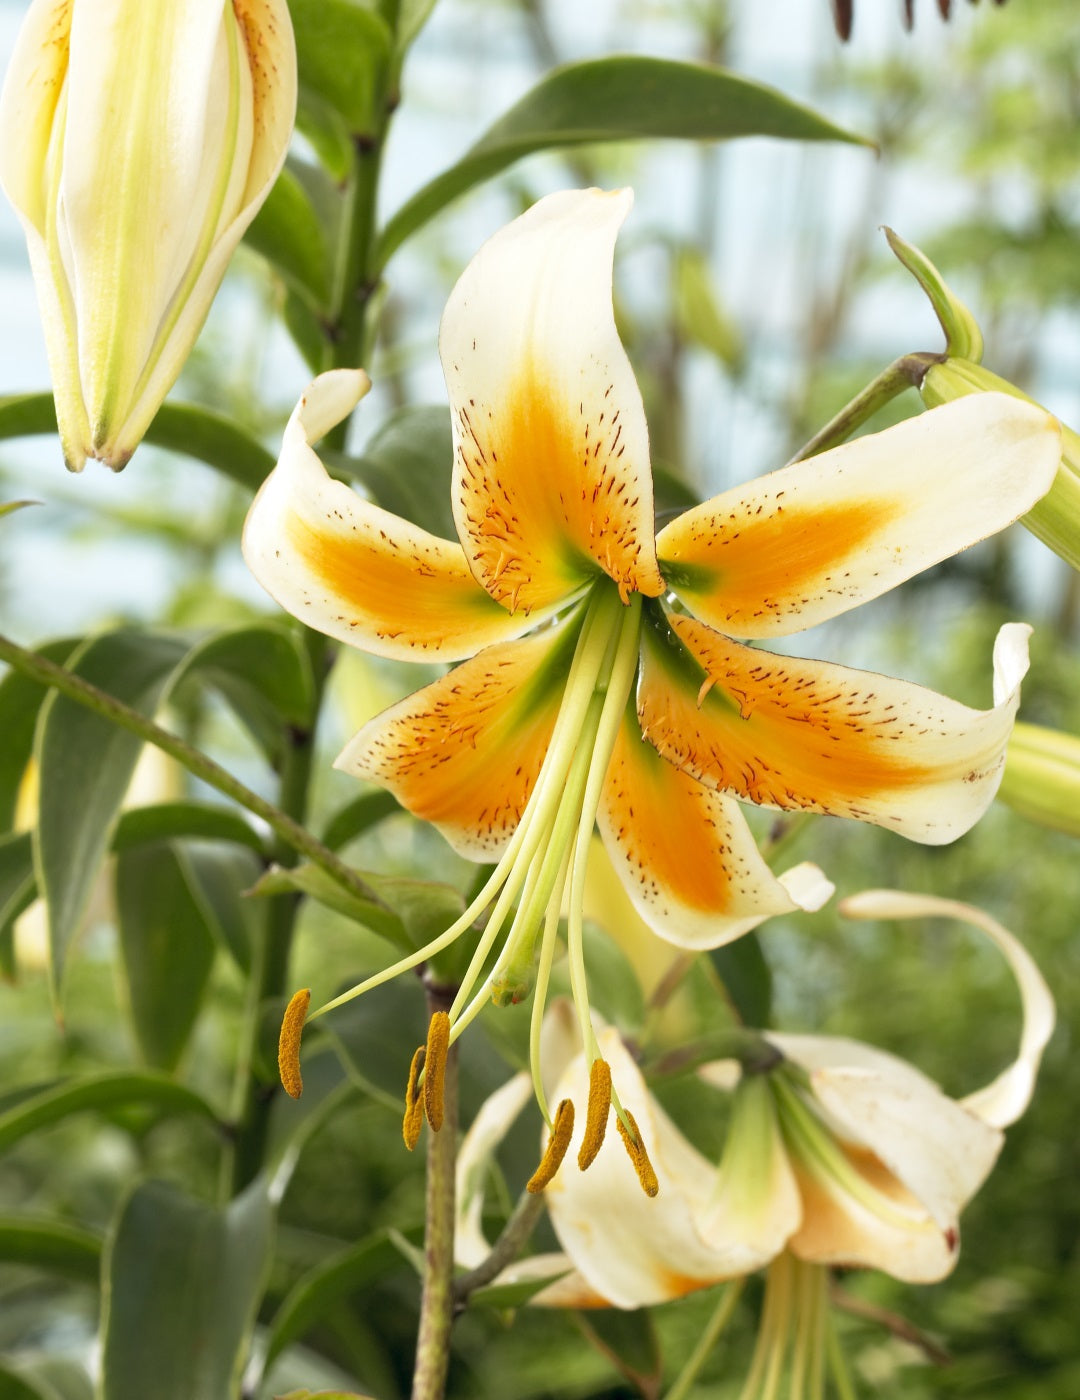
[
  {"x": 1042, "y": 777},
  {"x": 138, "y": 139}
]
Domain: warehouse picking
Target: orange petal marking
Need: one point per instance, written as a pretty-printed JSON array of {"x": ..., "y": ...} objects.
[
  {"x": 678, "y": 842},
  {"x": 465, "y": 751},
  {"x": 545, "y": 498},
  {"x": 410, "y": 589},
  {"x": 759, "y": 556},
  {"x": 783, "y": 732}
]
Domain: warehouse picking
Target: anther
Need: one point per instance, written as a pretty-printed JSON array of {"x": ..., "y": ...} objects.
[
  {"x": 635, "y": 1148},
  {"x": 438, "y": 1044},
  {"x": 596, "y": 1115},
  {"x": 562, "y": 1130},
  {"x": 414, "y": 1103},
  {"x": 288, "y": 1054}
]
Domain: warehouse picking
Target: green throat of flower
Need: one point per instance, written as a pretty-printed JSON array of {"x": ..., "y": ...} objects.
[{"x": 543, "y": 870}]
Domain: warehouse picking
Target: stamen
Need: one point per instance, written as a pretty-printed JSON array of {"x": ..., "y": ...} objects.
[
  {"x": 413, "y": 1121},
  {"x": 438, "y": 1043},
  {"x": 288, "y": 1055},
  {"x": 562, "y": 1130},
  {"x": 596, "y": 1115},
  {"x": 635, "y": 1148}
]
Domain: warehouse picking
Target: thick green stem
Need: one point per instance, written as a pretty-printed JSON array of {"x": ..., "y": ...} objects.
[
  {"x": 292, "y": 836},
  {"x": 905, "y": 373},
  {"x": 437, "y": 1301}
]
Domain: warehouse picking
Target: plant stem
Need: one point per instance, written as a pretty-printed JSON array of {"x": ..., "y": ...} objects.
[
  {"x": 905, "y": 373},
  {"x": 504, "y": 1251},
  {"x": 437, "y": 1301},
  {"x": 291, "y": 834},
  {"x": 708, "y": 1339},
  {"x": 253, "y": 1094}
]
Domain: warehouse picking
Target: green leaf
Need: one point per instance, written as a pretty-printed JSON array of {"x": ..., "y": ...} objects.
[
  {"x": 288, "y": 233},
  {"x": 358, "y": 816},
  {"x": 406, "y": 467},
  {"x": 17, "y": 884},
  {"x": 412, "y": 16},
  {"x": 206, "y": 821},
  {"x": 45, "y": 1378},
  {"x": 220, "y": 879},
  {"x": 85, "y": 766},
  {"x": 184, "y": 428},
  {"x": 313, "y": 881},
  {"x": 629, "y": 1341},
  {"x": 109, "y": 1089},
  {"x": 747, "y": 976},
  {"x": 511, "y": 1295},
  {"x": 264, "y": 675},
  {"x": 20, "y": 701},
  {"x": 343, "y": 55},
  {"x": 377, "y": 1033},
  {"x": 54, "y": 1246},
  {"x": 184, "y": 1282},
  {"x": 628, "y": 97},
  {"x": 616, "y": 991},
  {"x": 346, "y": 1273},
  {"x": 9, "y": 507},
  {"x": 699, "y": 314},
  {"x": 166, "y": 947}
]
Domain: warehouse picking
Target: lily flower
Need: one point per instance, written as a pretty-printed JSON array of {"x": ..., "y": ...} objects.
[
  {"x": 601, "y": 680},
  {"x": 138, "y": 139},
  {"x": 836, "y": 1154}
]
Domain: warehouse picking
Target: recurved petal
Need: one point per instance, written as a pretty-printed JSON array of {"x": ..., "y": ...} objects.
[
  {"x": 633, "y": 1250},
  {"x": 465, "y": 751},
  {"x": 354, "y": 571},
  {"x": 552, "y": 482},
  {"x": 795, "y": 734},
  {"x": 939, "y": 1150},
  {"x": 1003, "y": 1100},
  {"x": 810, "y": 541},
  {"x": 685, "y": 854}
]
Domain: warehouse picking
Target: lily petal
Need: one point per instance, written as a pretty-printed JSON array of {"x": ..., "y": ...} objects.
[
  {"x": 552, "y": 483},
  {"x": 465, "y": 751},
  {"x": 633, "y": 1250},
  {"x": 1005, "y": 1099},
  {"x": 685, "y": 854},
  {"x": 811, "y": 541},
  {"x": 936, "y": 1148},
  {"x": 471, "y": 1246},
  {"x": 352, "y": 570},
  {"x": 795, "y": 734}
]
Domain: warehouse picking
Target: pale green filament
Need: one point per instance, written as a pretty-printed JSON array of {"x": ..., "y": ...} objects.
[{"x": 793, "y": 1335}]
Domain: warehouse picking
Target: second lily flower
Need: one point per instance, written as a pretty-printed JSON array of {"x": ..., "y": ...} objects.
[{"x": 604, "y": 684}]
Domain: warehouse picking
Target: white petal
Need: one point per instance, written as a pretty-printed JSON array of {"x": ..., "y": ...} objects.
[{"x": 1005, "y": 1099}]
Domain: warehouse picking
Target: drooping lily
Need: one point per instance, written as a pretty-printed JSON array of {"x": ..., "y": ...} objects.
[
  {"x": 138, "y": 139},
  {"x": 566, "y": 608},
  {"x": 838, "y": 1154}
]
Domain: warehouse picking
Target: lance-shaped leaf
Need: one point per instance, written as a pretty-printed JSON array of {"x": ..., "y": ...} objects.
[
  {"x": 184, "y": 1281},
  {"x": 624, "y": 98}
]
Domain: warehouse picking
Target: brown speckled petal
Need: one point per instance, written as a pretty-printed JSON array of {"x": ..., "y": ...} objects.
[{"x": 794, "y": 734}]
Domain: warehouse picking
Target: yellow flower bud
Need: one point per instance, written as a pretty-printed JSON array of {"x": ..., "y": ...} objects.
[
  {"x": 1042, "y": 777},
  {"x": 138, "y": 139}
]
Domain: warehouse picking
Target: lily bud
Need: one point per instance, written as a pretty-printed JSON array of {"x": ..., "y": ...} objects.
[
  {"x": 1042, "y": 777},
  {"x": 138, "y": 139}
]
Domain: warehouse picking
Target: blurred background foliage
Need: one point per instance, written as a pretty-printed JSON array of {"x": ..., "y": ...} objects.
[{"x": 755, "y": 296}]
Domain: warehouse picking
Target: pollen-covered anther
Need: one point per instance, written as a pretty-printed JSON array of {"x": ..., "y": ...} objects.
[
  {"x": 562, "y": 1130},
  {"x": 438, "y": 1045},
  {"x": 596, "y": 1115},
  {"x": 635, "y": 1149},
  {"x": 292, "y": 1028},
  {"x": 413, "y": 1121}
]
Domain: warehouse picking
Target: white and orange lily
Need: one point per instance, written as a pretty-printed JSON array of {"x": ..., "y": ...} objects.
[
  {"x": 601, "y": 681},
  {"x": 138, "y": 139},
  {"x": 837, "y": 1154}
]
